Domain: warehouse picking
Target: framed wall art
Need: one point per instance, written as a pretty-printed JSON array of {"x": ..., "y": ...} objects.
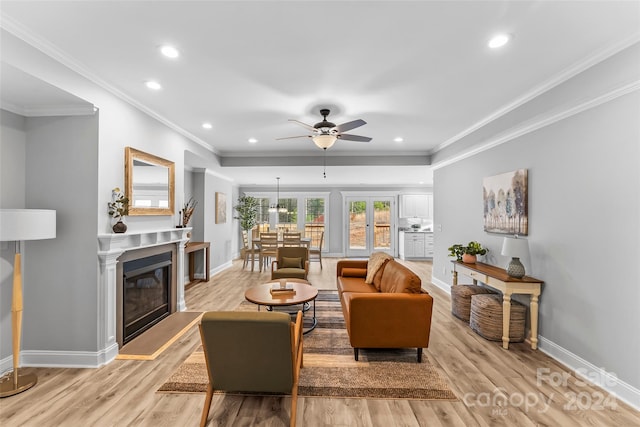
[
  {"x": 506, "y": 207},
  {"x": 221, "y": 208}
]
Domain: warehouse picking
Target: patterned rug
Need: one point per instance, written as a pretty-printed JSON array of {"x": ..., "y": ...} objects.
[{"x": 330, "y": 369}]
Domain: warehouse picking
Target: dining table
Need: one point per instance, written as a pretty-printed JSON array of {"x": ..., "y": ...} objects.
[{"x": 304, "y": 241}]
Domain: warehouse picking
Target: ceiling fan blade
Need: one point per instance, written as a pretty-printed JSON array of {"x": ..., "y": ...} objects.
[
  {"x": 358, "y": 138},
  {"x": 350, "y": 125},
  {"x": 292, "y": 137},
  {"x": 304, "y": 125}
]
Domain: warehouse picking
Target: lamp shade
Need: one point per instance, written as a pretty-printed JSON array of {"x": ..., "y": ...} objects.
[
  {"x": 515, "y": 248},
  {"x": 27, "y": 224},
  {"x": 324, "y": 141}
]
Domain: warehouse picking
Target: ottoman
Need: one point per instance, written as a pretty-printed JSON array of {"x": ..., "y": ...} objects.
[
  {"x": 486, "y": 318},
  {"x": 461, "y": 299}
]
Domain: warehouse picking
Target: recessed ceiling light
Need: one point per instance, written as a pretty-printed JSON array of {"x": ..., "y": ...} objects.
[
  {"x": 499, "y": 40},
  {"x": 153, "y": 85},
  {"x": 207, "y": 125},
  {"x": 421, "y": 182},
  {"x": 252, "y": 140},
  {"x": 398, "y": 139},
  {"x": 169, "y": 51}
]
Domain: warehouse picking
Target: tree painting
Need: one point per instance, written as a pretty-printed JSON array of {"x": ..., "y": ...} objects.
[{"x": 505, "y": 203}]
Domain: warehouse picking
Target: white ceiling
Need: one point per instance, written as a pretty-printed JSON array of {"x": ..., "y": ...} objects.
[{"x": 420, "y": 70}]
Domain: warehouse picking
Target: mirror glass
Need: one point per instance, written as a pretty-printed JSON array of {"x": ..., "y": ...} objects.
[{"x": 149, "y": 182}]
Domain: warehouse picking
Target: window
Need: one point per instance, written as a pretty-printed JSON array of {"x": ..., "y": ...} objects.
[
  {"x": 288, "y": 220},
  {"x": 263, "y": 216},
  {"x": 314, "y": 218}
]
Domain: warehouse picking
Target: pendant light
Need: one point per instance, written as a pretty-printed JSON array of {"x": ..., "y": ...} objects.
[{"x": 277, "y": 207}]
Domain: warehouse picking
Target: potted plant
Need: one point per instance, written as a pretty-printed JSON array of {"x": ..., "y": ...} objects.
[
  {"x": 247, "y": 209},
  {"x": 468, "y": 253},
  {"x": 118, "y": 209}
]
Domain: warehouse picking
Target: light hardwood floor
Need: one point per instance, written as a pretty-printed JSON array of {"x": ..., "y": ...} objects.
[{"x": 496, "y": 387}]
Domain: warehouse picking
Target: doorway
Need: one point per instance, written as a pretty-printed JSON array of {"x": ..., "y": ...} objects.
[{"x": 370, "y": 224}]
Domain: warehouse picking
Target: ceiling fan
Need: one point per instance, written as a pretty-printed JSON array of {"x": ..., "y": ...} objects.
[{"x": 325, "y": 134}]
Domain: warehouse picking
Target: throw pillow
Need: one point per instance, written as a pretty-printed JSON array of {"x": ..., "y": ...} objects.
[
  {"x": 376, "y": 260},
  {"x": 291, "y": 262},
  {"x": 354, "y": 272}
]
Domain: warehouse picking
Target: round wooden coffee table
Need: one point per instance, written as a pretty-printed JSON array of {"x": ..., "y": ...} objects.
[{"x": 304, "y": 293}]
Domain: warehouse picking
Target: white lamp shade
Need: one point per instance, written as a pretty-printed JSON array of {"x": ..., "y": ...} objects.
[
  {"x": 515, "y": 248},
  {"x": 27, "y": 224},
  {"x": 324, "y": 141}
]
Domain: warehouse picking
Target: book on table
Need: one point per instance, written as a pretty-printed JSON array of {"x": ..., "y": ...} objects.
[{"x": 282, "y": 288}]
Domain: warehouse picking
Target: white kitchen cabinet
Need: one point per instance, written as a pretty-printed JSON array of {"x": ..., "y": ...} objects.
[
  {"x": 415, "y": 245},
  {"x": 416, "y": 206}
]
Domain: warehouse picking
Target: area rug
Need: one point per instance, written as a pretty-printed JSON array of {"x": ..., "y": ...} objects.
[
  {"x": 330, "y": 369},
  {"x": 153, "y": 342}
]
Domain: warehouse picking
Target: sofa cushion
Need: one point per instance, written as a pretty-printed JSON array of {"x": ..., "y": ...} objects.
[
  {"x": 398, "y": 278},
  {"x": 354, "y": 284},
  {"x": 354, "y": 272},
  {"x": 376, "y": 261},
  {"x": 377, "y": 278}
]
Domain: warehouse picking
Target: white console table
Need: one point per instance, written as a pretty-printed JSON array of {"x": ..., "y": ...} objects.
[{"x": 498, "y": 278}]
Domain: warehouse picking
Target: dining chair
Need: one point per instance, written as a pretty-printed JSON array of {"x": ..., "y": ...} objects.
[
  {"x": 234, "y": 344},
  {"x": 291, "y": 238},
  {"x": 268, "y": 248},
  {"x": 315, "y": 252},
  {"x": 248, "y": 253}
]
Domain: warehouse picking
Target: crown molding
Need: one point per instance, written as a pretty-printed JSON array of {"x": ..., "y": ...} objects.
[
  {"x": 49, "y": 49},
  {"x": 49, "y": 110},
  {"x": 554, "y": 81},
  {"x": 542, "y": 122}
]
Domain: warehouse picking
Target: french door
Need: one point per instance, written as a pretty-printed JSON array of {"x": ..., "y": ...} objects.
[{"x": 370, "y": 222}]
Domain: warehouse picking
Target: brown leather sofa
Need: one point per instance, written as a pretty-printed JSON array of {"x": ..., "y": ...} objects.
[{"x": 392, "y": 312}]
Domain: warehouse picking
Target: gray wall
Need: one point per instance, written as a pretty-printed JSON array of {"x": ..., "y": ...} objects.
[
  {"x": 13, "y": 137},
  {"x": 584, "y": 210}
]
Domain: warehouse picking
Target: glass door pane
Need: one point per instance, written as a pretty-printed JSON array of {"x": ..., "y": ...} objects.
[
  {"x": 370, "y": 224},
  {"x": 381, "y": 225},
  {"x": 357, "y": 225}
]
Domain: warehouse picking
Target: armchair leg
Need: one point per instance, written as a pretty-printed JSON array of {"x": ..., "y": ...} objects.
[
  {"x": 207, "y": 406},
  {"x": 419, "y": 355},
  {"x": 355, "y": 353}
]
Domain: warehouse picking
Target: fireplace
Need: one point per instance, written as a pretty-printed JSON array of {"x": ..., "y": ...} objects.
[
  {"x": 145, "y": 294},
  {"x": 146, "y": 290}
]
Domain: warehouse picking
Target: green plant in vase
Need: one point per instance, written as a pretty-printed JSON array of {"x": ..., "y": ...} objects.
[{"x": 467, "y": 253}]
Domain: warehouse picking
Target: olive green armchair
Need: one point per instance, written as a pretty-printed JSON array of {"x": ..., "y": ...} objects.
[
  {"x": 291, "y": 262},
  {"x": 252, "y": 352}
]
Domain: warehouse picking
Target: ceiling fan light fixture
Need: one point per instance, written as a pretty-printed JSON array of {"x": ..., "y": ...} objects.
[{"x": 324, "y": 141}]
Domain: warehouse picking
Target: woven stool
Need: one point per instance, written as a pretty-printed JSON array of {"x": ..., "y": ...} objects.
[
  {"x": 486, "y": 318},
  {"x": 461, "y": 299}
]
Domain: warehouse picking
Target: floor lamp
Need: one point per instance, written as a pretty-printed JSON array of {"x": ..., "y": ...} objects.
[{"x": 17, "y": 225}]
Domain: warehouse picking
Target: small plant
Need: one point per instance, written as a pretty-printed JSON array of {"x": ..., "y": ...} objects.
[
  {"x": 119, "y": 204},
  {"x": 472, "y": 248}
]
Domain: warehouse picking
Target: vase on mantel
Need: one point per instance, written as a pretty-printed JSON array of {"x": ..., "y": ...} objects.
[{"x": 119, "y": 227}]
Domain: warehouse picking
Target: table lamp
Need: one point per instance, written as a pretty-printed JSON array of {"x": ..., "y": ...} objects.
[
  {"x": 17, "y": 225},
  {"x": 516, "y": 249}
]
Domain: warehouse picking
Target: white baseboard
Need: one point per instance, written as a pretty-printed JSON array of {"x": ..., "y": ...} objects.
[
  {"x": 591, "y": 373},
  {"x": 220, "y": 268},
  {"x": 68, "y": 359},
  {"x": 442, "y": 285}
]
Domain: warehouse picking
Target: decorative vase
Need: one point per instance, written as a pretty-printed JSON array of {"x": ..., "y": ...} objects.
[
  {"x": 515, "y": 268},
  {"x": 119, "y": 227},
  {"x": 469, "y": 259}
]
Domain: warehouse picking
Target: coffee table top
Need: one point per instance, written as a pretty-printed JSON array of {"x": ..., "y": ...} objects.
[{"x": 260, "y": 294}]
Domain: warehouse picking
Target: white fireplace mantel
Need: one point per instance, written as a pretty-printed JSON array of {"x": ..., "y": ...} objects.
[{"x": 110, "y": 247}]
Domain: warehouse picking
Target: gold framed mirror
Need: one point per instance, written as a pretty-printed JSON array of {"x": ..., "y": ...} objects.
[{"x": 149, "y": 182}]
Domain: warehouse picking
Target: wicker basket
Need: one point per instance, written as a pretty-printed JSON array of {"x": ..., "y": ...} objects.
[
  {"x": 461, "y": 299},
  {"x": 486, "y": 318}
]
